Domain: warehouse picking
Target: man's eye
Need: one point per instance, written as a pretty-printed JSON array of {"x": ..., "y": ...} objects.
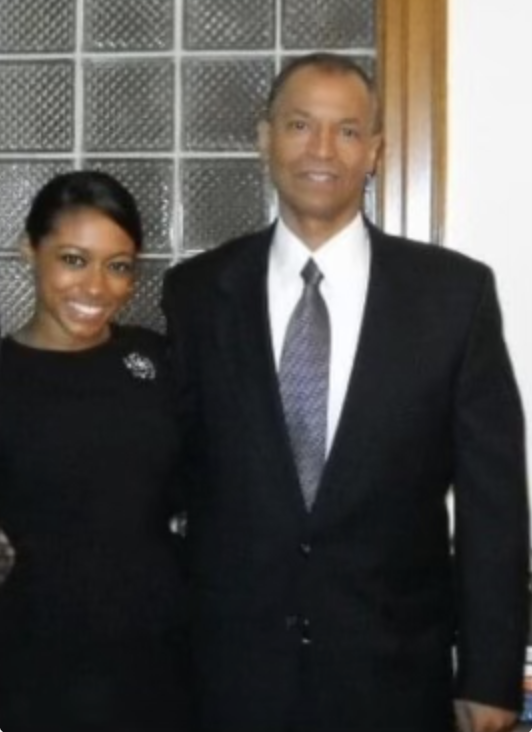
[
  {"x": 75, "y": 261},
  {"x": 349, "y": 132},
  {"x": 297, "y": 125}
]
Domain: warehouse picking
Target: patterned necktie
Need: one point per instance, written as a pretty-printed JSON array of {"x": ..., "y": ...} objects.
[{"x": 304, "y": 381}]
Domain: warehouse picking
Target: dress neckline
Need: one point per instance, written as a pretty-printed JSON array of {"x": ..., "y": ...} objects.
[{"x": 13, "y": 344}]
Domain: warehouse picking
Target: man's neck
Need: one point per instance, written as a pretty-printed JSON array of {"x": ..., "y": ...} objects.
[{"x": 314, "y": 233}]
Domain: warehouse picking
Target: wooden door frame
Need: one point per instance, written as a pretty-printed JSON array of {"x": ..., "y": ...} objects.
[{"x": 412, "y": 60}]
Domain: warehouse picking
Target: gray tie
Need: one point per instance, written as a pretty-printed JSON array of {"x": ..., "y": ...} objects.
[{"x": 304, "y": 381}]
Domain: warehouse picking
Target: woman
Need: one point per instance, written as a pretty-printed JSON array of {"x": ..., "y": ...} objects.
[{"x": 92, "y": 614}]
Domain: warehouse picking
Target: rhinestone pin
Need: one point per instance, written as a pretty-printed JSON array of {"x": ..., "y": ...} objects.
[{"x": 140, "y": 367}]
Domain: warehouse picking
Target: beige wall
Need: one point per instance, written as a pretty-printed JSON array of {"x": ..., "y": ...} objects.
[{"x": 489, "y": 211}]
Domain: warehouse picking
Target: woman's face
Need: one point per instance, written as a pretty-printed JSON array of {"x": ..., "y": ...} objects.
[{"x": 84, "y": 272}]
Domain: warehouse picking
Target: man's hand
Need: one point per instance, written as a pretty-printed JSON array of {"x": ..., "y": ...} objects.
[
  {"x": 475, "y": 717},
  {"x": 7, "y": 557}
]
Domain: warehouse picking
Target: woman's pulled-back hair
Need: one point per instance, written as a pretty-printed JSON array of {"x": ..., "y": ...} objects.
[{"x": 83, "y": 189}]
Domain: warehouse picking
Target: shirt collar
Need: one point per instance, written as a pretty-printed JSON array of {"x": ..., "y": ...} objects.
[{"x": 338, "y": 258}]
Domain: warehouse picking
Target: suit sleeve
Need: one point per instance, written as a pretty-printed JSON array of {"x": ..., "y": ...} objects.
[
  {"x": 178, "y": 312},
  {"x": 491, "y": 522},
  {"x": 175, "y": 317}
]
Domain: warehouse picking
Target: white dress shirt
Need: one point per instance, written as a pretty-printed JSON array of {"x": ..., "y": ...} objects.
[{"x": 344, "y": 262}]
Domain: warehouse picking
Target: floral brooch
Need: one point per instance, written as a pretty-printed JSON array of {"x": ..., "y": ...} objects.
[{"x": 140, "y": 367}]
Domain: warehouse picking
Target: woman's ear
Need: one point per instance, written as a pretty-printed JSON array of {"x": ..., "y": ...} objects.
[{"x": 27, "y": 252}]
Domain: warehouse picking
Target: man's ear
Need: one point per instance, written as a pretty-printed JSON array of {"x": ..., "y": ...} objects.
[
  {"x": 375, "y": 153},
  {"x": 263, "y": 137}
]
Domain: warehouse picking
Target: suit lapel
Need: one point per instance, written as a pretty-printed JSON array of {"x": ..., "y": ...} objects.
[
  {"x": 244, "y": 343},
  {"x": 370, "y": 389}
]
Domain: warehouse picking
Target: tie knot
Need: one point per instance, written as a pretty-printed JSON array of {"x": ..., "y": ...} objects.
[{"x": 311, "y": 274}]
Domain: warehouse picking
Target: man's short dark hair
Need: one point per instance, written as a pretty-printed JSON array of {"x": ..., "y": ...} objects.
[{"x": 329, "y": 62}]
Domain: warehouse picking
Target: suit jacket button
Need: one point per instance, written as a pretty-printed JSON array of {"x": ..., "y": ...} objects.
[
  {"x": 291, "y": 622},
  {"x": 304, "y": 629},
  {"x": 305, "y": 549}
]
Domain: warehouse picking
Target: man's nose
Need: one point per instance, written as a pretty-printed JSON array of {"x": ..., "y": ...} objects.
[{"x": 323, "y": 143}]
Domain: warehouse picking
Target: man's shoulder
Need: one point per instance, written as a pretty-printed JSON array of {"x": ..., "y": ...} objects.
[
  {"x": 201, "y": 269},
  {"x": 426, "y": 259}
]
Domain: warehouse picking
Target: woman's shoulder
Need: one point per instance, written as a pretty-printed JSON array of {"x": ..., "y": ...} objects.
[{"x": 139, "y": 334}]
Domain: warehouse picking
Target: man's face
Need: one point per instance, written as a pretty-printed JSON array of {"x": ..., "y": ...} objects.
[{"x": 319, "y": 145}]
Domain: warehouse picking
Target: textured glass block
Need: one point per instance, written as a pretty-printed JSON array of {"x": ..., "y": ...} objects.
[
  {"x": 124, "y": 25},
  {"x": 37, "y": 106},
  {"x": 151, "y": 182},
  {"x": 16, "y": 294},
  {"x": 222, "y": 199},
  {"x": 144, "y": 306},
  {"x": 129, "y": 105},
  {"x": 19, "y": 181},
  {"x": 325, "y": 24},
  {"x": 28, "y": 26},
  {"x": 221, "y": 24},
  {"x": 368, "y": 64},
  {"x": 222, "y": 101}
]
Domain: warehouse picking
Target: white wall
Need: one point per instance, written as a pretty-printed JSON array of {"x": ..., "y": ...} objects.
[{"x": 489, "y": 209}]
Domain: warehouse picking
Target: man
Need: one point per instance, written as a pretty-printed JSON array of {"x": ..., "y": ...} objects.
[{"x": 331, "y": 406}]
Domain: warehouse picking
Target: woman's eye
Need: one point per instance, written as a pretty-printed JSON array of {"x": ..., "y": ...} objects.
[
  {"x": 122, "y": 267},
  {"x": 73, "y": 260}
]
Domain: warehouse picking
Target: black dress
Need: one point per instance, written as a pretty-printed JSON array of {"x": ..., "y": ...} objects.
[{"x": 92, "y": 616}]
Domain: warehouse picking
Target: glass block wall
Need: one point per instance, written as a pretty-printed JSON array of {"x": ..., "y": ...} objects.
[{"x": 165, "y": 94}]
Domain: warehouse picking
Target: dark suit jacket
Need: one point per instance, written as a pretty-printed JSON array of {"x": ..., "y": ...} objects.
[{"x": 342, "y": 620}]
